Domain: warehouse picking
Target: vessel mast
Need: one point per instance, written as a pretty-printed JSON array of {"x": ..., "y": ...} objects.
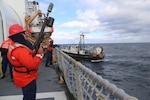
[{"x": 81, "y": 42}]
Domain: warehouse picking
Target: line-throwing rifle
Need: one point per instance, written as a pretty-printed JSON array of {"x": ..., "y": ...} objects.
[{"x": 48, "y": 21}]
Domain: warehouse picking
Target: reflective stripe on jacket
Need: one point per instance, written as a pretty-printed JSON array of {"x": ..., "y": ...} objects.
[
  {"x": 5, "y": 44},
  {"x": 22, "y": 60}
]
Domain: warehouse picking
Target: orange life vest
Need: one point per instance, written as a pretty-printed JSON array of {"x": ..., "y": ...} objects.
[
  {"x": 24, "y": 64},
  {"x": 50, "y": 48},
  {"x": 6, "y": 43}
]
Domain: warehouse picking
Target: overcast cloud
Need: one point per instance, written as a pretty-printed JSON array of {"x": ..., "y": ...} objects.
[{"x": 102, "y": 21}]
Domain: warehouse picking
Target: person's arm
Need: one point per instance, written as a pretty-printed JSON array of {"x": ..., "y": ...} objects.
[
  {"x": 53, "y": 45},
  {"x": 24, "y": 56}
]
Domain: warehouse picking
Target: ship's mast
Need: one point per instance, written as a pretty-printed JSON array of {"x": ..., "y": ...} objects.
[{"x": 81, "y": 42}]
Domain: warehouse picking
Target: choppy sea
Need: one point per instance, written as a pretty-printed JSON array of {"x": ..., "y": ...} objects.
[{"x": 127, "y": 65}]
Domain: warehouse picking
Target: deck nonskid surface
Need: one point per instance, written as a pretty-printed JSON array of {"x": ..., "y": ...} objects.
[{"x": 48, "y": 86}]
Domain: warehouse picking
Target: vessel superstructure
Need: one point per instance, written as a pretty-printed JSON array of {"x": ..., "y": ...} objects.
[{"x": 26, "y": 13}]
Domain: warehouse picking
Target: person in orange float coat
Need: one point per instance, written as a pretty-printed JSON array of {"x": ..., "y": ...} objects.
[
  {"x": 49, "y": 55},
  {"x": 25, "y": 65},
  {"x": 4, "y": 49}
]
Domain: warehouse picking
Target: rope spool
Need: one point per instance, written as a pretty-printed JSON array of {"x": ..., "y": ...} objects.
[
  {"x": 61, "y": 80},
  {"x": 99, "y": 50},
  {"x": 54, "y": 59}
]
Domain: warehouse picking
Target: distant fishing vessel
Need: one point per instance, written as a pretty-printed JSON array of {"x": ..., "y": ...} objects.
[{"x": 79, "y": 52}]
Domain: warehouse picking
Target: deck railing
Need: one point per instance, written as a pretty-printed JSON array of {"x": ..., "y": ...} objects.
[{"x": 84, "y": 84}]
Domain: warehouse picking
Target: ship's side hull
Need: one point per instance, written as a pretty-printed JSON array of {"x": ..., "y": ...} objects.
[{"x": 88, "y": 57}]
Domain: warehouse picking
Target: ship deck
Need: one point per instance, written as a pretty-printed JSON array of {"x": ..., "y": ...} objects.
[{"x": 48, "y": 86}]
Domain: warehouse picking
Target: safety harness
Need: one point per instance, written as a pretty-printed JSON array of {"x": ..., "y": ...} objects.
[{"x": 28, "y": 71}]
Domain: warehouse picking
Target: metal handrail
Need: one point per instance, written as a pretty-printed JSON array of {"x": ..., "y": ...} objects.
[{"x": 84, "y": 84}]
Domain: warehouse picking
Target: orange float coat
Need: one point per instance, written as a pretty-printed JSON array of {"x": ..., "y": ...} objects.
[
  {"x": 6, "y": 43},
  {"x": 50, "y": 46},
  {"x": 24, "y": 64}
]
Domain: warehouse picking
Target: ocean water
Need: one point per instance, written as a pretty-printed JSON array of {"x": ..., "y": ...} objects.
[{"x": 127, "y": 65}]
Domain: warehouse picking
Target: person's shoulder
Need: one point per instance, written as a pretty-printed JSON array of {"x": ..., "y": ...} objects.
[
  {"x": 8, "y": 39},
  {"x": 21, "y": 50}
]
